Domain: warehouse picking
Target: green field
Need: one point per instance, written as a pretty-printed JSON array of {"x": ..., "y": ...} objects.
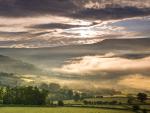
[
  {"x": 78, "y": 107},
  {"x": 109, "y": 99},
  {"x": 57, "y": 110},
  {"x": 123, "y": 100}
]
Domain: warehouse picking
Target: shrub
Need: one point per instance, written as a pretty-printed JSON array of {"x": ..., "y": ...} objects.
[
  {"x": 144, "y": 111},
  {"x": 136, "y": 107},
  {"x": 1, "y": 101}
]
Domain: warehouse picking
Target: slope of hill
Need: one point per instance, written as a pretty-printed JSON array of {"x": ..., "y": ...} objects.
[{"x": 10, "y": 65}]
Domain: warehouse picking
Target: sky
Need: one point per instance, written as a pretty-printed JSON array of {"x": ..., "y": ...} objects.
[
  {"x": 48, "y": 23},
  {"x": 104, "y": 43}
]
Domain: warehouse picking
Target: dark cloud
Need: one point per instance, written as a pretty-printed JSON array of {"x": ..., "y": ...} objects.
[
  {"x": 11, "y": 42},
  {"x": 41, "y": 33},
  {"x": 134, "y": 56},
  {"x": 55, "y": 26},
  {"x": 112, "y": 12},
  {"x": 2, "y": 33},
  {"x": 69, "y": 8},
  {"x": 34, "y": 7}
]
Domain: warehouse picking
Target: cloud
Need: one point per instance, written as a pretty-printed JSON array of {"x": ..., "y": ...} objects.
[
  {"x": 48, "y": 31},
  {"x": 96, "y": 4},
  {"x": 135, "y": 56},
  {"x": 128, "y": 82},
  {"x": 4, "y": 33},
  {"x": 15, "y": 8},
  {"x": 71, "y": 83},
  {"x": 93, "y": 9},
  {"x": 49, "y": 23},
  {"x": 135, "y": 81},
  {"x": 95, "y": 64},
  {"x": 108, "y": 71},
  {"x": 56, "y": 26},
  {"x": 112, "y": 13}
]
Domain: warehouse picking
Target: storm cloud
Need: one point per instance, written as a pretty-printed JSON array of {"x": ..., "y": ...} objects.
[{"x": 73, "y": 8}]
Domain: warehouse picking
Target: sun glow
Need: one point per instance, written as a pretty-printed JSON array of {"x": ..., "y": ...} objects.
[
  {"x": 82, "y": 32},
  {"x": 86, "y": 33}
]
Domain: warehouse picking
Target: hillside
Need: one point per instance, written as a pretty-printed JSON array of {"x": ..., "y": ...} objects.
[{"x": 10, "y": 65}]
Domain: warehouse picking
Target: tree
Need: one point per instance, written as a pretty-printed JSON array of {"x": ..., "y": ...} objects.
[
  {"x": 25, "y": 95},
  {"x": 76, "y": 96},
  {"x": 70, "y": 94},
  {"x": 44, "y": 86},
  {"x": 7, "y": 98},
  {"x": 130, "y": 99},
  {"x": 53, "y": 87},
  {"x": 136, "y": 107},
  {"x": 85, "y": 102},
  {"x": 60, "y": 103},
  {"x": 142, "y": 97},
  {"x": 1, "y": 93},
  {"x": 144, "y": 111}
]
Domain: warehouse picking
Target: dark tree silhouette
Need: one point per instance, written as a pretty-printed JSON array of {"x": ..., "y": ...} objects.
[
  {"x": 70, "y": 94},
  {"x": 76, "y": 96},
  {"x": 142, "y": 97},
  {"x": 60, "y": 103},
  {"x": 136, "y": 107}
]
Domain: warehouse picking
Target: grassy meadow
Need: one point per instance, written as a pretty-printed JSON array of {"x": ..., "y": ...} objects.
[{"x": 58, "y": 110}]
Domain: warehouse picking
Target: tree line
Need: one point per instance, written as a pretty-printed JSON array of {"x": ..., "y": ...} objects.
[
  {"x": 23, "y": 95},
  {"x": 41, "y": 95},
  {"x": 140, "y": 98}
]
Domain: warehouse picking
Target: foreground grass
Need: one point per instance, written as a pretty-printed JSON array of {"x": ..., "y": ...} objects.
[{"x": 57, "y": 110}]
